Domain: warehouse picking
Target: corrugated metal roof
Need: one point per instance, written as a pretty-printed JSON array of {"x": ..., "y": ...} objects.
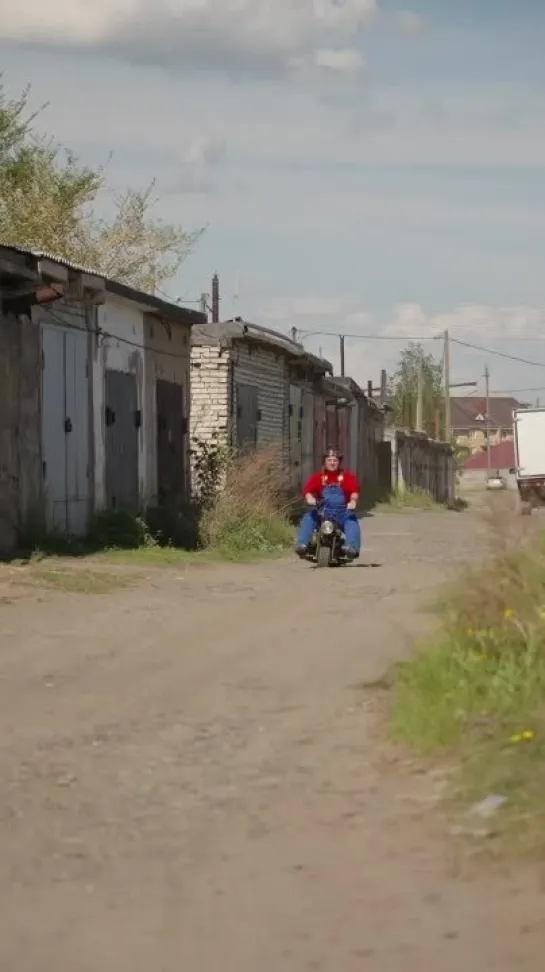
[
  {"x": 171, "y": 310},
  {"x": 466, "y": 409},
  {"x": 238, "y": 329},
  {"x": 44, "y": 255}
]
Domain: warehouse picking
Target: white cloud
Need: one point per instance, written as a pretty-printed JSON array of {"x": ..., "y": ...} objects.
[
  {"x": 345, "y": 61},
  {"x": 473, "y": 322},
  {"x": 409, "y": 22},
  {"x": 477, "y": 323},
  {"x": 231, "y": 35},
  {"x": 207, "y": 150},
  {"x": 483, "y": 325}
]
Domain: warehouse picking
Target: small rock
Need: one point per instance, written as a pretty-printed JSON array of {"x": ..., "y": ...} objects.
[{"x": 488, "y": 806}]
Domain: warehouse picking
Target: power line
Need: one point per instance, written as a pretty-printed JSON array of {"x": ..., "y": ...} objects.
[
  {"x": 113, "y": 337},
  {"x": 420, "y": 338},
  {"x": 516, "y": 391},
  {"x": 499, "y": 354},
  {"x": 366, "y": 337}
]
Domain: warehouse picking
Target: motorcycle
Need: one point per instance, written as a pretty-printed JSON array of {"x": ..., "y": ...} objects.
[{"x": 328, "y": 546}]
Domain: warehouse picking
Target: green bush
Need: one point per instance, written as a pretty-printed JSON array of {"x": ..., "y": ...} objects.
[{"x": 117, "y": 529}]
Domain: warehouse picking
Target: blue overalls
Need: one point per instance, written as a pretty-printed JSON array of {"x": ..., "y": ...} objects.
[{"x": 333, "y": 504}]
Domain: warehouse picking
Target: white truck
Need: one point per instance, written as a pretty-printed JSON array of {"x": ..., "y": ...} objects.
[{"x": 529, "y": 427}]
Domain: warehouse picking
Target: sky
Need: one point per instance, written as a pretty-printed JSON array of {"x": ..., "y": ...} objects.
[{"x": 369, "y": 166}]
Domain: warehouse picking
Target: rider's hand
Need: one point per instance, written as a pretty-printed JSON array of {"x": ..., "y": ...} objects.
[
  {"x": 351, "y": 505},
  {"x": 311, "y": 500}
]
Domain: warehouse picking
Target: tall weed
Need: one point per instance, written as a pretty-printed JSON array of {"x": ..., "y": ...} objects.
[{"x": 250, "y": 513}]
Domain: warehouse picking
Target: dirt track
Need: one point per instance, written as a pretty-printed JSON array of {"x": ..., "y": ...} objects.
[{"x": 190, "y": 780}]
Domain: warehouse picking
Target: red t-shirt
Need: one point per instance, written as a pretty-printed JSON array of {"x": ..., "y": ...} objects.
[{"x": 343, "y": 478}]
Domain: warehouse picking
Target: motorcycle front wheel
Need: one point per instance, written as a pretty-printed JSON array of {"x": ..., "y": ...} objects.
[{"x": 324, "y": 555}]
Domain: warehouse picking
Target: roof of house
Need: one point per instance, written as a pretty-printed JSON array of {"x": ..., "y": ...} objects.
[
  {"x": 502, "y": 456},
  {"x": 149, "y": 302},
  {"x": 237, "y": 329},
  {"x": 469, "y": 412}
]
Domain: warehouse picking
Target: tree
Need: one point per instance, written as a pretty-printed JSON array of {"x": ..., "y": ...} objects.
[
  {"x": 416, "y": 366},
  {"x": 48, "y": 200}
]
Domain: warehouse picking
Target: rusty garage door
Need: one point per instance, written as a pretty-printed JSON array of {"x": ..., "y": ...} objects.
[
  {"x": 123, "y": 421},
  {"x": 171, "y": 432},
  {"x": 247, "y": 416}
]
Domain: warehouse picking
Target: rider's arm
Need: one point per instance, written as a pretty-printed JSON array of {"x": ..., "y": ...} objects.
[
  {"x": 354, "y": 488},
  {"x": 312, "y": 488}
]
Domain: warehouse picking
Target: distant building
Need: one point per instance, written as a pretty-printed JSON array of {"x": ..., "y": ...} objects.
[
  {"x": 502, "y": 458},
  {"x": 471, "y": 425},
  {"x": 253, "y": 387}
]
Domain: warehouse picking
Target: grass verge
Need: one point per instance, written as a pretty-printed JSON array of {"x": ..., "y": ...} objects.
[
  {"x": 476, "y": 690},
  {"x": 245, "y": 519},
  {"x": 407, "y": 500}
]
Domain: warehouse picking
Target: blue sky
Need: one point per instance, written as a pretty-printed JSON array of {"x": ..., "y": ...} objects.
[{"x": 366, "y": 166}]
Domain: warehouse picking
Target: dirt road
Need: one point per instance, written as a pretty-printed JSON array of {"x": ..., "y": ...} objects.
[{"x": 191, "y": 781}]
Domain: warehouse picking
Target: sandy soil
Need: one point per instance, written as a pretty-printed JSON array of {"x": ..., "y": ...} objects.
[{"x": 191, "y": 780}]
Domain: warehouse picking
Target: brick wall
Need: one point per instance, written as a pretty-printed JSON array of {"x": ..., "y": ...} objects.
[{"x": 209, "y": 412}]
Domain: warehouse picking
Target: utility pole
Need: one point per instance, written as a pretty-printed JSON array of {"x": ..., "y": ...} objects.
[
  {"x": 341, "y": 348},
  {"x": 383, "y": 386},
  {"x": 215, "y": 299},
  {"x": 446, "y": 379},
  {"x": 487, "y": 391},
  {"x": 419, "y": 399}
]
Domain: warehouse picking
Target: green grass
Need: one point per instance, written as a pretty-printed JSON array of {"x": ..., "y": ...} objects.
[
  {"x": 239, "y": 537},
  {"x": 476, "y": 691},
  {"x": 46, "y": 573},
  {"x": 403, "y": 501}
]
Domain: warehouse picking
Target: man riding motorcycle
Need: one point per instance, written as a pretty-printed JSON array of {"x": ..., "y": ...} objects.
[{"x": 337, "y": 489}]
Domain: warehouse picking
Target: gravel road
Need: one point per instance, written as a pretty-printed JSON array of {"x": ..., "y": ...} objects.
[{"x": 191, "y": 778}]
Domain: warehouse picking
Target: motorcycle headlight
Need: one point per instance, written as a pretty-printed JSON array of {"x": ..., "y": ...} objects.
[{"x": 327, "y": 528}]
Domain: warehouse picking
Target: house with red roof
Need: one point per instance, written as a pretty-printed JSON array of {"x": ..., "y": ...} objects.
[
  {"x": 471, "y": 426},
  {"x": 502, "y": 458}
]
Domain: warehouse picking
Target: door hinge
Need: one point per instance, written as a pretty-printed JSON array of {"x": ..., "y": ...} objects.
[
  {"x": 68, "y": 426},
  {"x": 138, "y": 418}
]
